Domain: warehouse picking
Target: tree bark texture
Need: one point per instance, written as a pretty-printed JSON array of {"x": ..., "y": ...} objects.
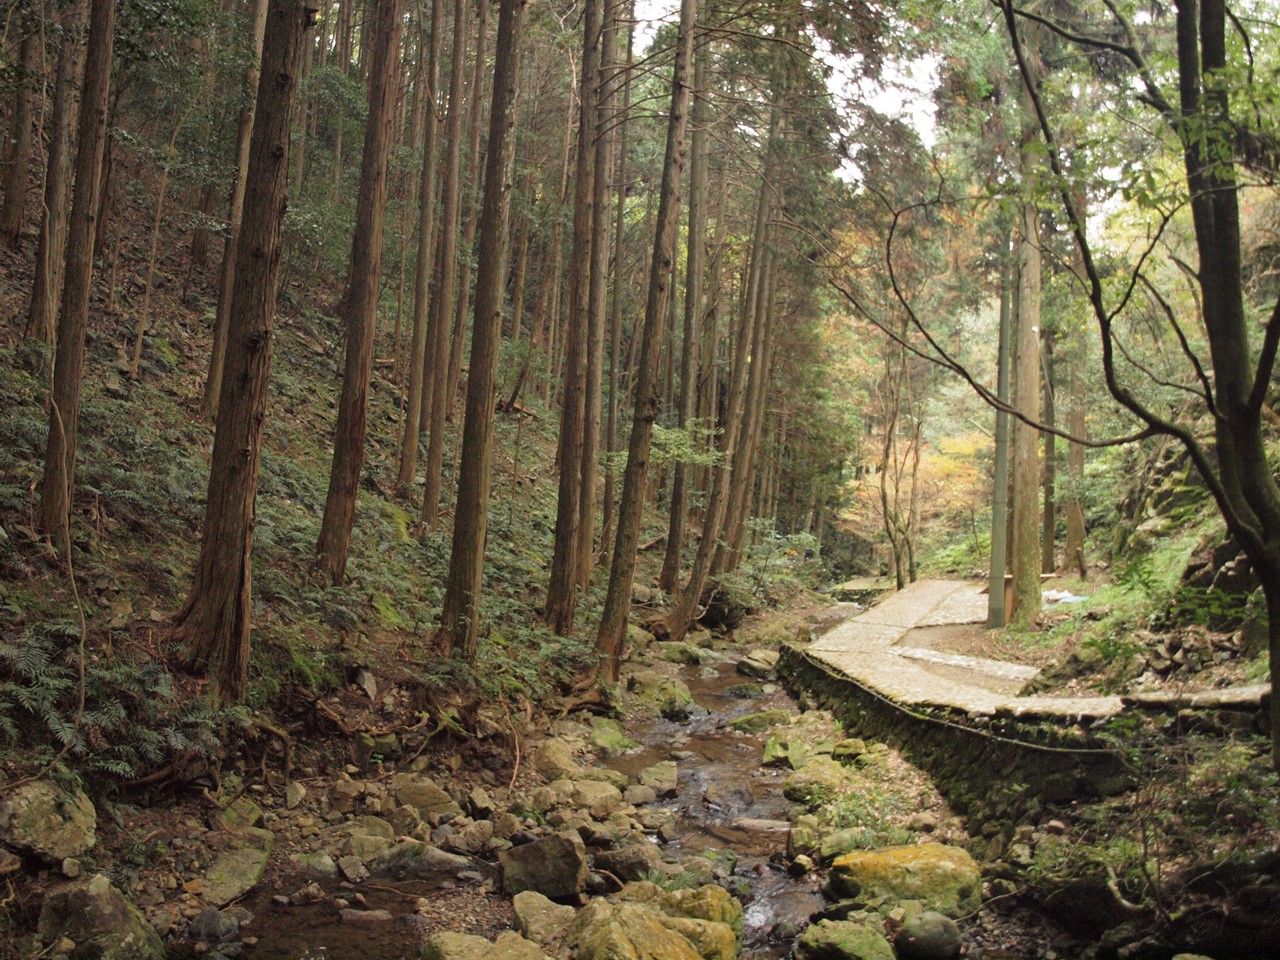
[
  {"x": 57, "y": 487},
  {"x": 436, "y": 364},
  {"x": 613, "y": 621},
  {"x": 361, "y": 301},
  {"x": 1025, "y": 527},
  {"x": 460, "y": 621},
  {"x": 562, "y": 585},
  {"x": 15, "y": 192},
  {"x": 42, "y": 314},
  {"x": 215, "y": 622},
  {"x": 244, "y": 131},
  {"x": 419, "y": 383}
]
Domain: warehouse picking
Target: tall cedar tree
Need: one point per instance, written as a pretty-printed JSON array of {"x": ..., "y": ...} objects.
[
  {"x": 216, "y": 619},
  {"x": 1024, "y": 557},
  {"x": 42, "y": 313},
  {"x": 597, "y": 290},
  {"x": 436, "y": 364},
  {"x": 361, "y": 301},
  {"x": 419, "y": 382},
  {"x": 691, "y": 339},
  {"x": 562, "y": 583},
  {"x": 613, "y": 622},
  {"x": 460, "y": 621},
  {"x": 58, "y": 485},
  {"x": 15, "y": 193},
  {"x": 244, "y": 131}
]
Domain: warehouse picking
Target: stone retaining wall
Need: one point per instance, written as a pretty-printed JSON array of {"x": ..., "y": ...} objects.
[{"x": 1001, "y": 770}]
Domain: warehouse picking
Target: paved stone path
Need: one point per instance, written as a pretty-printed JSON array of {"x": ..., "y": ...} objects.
[{"x": 869, "y": 650}]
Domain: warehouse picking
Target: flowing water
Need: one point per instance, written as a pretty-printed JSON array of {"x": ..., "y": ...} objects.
[{"x": 728, "y": 801}]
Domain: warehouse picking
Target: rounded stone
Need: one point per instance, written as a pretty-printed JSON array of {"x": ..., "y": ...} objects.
[{"x": 929, "y": 936}]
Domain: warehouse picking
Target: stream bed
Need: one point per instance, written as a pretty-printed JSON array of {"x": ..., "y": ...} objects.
[{"x": 727, "y": 804}]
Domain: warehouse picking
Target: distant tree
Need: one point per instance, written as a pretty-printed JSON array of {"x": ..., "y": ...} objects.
[
  {"x": 214, "y": 623},
  {"x": 360, "y": 304},
  {"x": 58, "y": 485},
  {"x": 460, "y": 621},
  {"x": 691, "y": 335}
]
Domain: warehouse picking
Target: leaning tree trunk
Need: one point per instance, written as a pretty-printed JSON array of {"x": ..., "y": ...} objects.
[
  {"x": 361, "y": 301},
  {"x": 460, "y": 620},
  {"x": 215, "y": 621},
  {"x": 60, "y": 451},
  {"x": 42, "y": 314},
  {"x": 613, "y": 621}
]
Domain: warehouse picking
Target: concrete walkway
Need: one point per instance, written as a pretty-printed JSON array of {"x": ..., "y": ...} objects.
[{"x": 869, "y": 650}]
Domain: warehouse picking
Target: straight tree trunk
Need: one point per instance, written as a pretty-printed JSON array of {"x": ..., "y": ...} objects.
[
  {"x": 750, "y": 344},
  {"x": 216, "y": 619},
  {"x": 619, "y": 285},
  {"x": 213, "y": 381},
  {"x": 460, "y": 621},
  {"x": 597, "y": 294},
  {"x": 1025, "y": 551},
  {"x": 457, "y": 340},
  {"x": 1049, "y": 521},
  {"x": 613, "y": 621},
  {"x": 734, "y": 531},
  {"x": 419, "y": 384},
  {"x": 562, "y": 591},
  {"x": 692, "y": 333},
  {"x": 15, "y": 189},
  {"x": 361, "y": 300},
  {"x": 42, "y": 315},
  {"x": 58, "y": 484},
  {"x": 436, "y": 364}
]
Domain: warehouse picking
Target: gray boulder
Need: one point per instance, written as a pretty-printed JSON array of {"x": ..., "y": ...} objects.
[
  {"x": 412, "y": 858},
  {"x": 423, "y": 794},
  {"x": 632, "y": 862},
  {"x": 555, "y": 866}
]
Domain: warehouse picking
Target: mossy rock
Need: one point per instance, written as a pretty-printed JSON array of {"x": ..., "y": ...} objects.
[
  {"x": 757, "y": 722},
  {"x": 770, "y": 630},
  {"x": 843, "y": 940},
  {"x": 609, "y": 738},
  {"x": 660, "y": 694},
  {"x": 944, "y": 878},
  {"x": 817, "y": 783}
]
